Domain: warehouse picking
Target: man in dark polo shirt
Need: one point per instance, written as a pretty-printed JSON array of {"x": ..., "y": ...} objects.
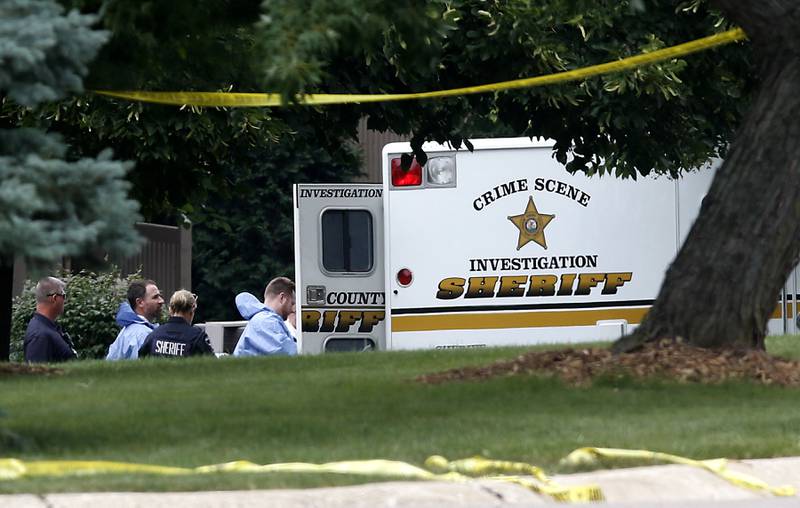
[{"x": 45, "y": 341}]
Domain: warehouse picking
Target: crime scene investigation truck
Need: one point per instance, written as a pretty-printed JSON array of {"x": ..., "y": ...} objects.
[{"x": 497, "y": 246}]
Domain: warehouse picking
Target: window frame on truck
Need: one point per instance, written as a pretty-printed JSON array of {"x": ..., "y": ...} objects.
[{"x": 345, "y": 243}]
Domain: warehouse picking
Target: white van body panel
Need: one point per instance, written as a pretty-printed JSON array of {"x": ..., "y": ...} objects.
[
  {"x": 480, "y": 279},
  {"x": 600, "y": 225}
]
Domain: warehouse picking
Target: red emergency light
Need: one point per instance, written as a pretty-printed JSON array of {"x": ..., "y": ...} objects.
[{"x": 410, "y": 178}]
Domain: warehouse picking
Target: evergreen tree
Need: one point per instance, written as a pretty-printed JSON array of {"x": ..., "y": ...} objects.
[
  {"x": 229, "y": 171},
  {"x": 52, "y": 207}
]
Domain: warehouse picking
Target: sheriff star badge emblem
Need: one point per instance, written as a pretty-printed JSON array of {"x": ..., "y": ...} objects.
[{"x": 531, "y": 225}]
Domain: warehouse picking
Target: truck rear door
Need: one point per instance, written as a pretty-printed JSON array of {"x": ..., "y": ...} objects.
[{"x": 338, "y": 232}]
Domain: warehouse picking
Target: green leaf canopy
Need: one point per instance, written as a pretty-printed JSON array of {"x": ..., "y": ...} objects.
[{"x": 664, "y": 117}]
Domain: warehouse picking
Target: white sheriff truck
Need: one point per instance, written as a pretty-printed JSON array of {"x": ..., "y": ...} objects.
[{"x": 497, "y": 246}]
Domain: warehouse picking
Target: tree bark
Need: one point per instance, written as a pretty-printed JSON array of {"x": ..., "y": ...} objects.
[{"x": 724, "y": 284}]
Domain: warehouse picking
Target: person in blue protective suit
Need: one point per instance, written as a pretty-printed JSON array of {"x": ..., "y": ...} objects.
[
  {"x": 266, "y": 332},
  {"x": 177, "y": 337},
  {"x": 45, "y": 341},
  {"x": 136, "y": 317}
]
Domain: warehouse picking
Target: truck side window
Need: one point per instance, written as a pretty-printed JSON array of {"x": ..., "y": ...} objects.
[{"x": 347, "y": 240}]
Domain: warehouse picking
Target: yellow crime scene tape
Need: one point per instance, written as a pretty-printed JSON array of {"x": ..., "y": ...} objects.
[
  {"x": 512, "y": 472},
  {"x": 438, "y": 469},
  {"x": 240, "y": 100},
  {"x": 456, "y": 471},
  {"x": 719, "y": 467}
]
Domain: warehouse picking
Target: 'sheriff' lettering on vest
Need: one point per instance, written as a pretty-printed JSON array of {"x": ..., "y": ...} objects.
[{"x": 170, "y": 348}]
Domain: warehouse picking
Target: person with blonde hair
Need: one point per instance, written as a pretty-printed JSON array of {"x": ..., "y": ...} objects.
[{"x": 177, "y": 337}]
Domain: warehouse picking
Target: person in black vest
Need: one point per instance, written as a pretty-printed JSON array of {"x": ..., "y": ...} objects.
[
  {"x": 177, "y": 337},
  {"x": 45, "y": 341}
]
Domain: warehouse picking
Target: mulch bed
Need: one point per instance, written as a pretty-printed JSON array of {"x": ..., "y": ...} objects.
[
  {"x": 13, "y": 369},
  {"x": 664, "y": 360}
]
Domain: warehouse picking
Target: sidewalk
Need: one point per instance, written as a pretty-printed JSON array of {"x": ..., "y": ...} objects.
[{"x": 655, "y": 486}]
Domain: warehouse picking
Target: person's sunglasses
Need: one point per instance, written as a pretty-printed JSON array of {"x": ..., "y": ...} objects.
[{"x": 62, "y": 295}]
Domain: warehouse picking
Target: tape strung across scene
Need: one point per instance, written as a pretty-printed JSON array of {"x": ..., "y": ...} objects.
[
  {"x": 438, "y": 469},
  {"x": 225, "y": 99}
]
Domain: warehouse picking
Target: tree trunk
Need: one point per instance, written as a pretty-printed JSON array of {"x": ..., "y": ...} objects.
[
  {"x": 6, "y": 294},
  {"x": 724, "y": 284}
]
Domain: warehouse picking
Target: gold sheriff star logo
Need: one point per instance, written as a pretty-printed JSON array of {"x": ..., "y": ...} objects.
[{"x": 531, "y": 225}]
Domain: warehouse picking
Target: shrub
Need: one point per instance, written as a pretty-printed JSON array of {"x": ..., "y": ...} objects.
[{"x": 92, "y": 303}]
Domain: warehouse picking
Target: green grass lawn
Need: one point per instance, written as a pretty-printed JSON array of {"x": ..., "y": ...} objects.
[{"x": 364, "y": 406}]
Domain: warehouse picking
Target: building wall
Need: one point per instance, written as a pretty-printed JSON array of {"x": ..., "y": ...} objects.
[
  {"x": 371, "y": 144},
  {"x": 166, "y": 257}
]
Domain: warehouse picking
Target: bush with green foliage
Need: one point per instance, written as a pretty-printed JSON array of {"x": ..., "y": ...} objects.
[{"x": 92, "y": 303}]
